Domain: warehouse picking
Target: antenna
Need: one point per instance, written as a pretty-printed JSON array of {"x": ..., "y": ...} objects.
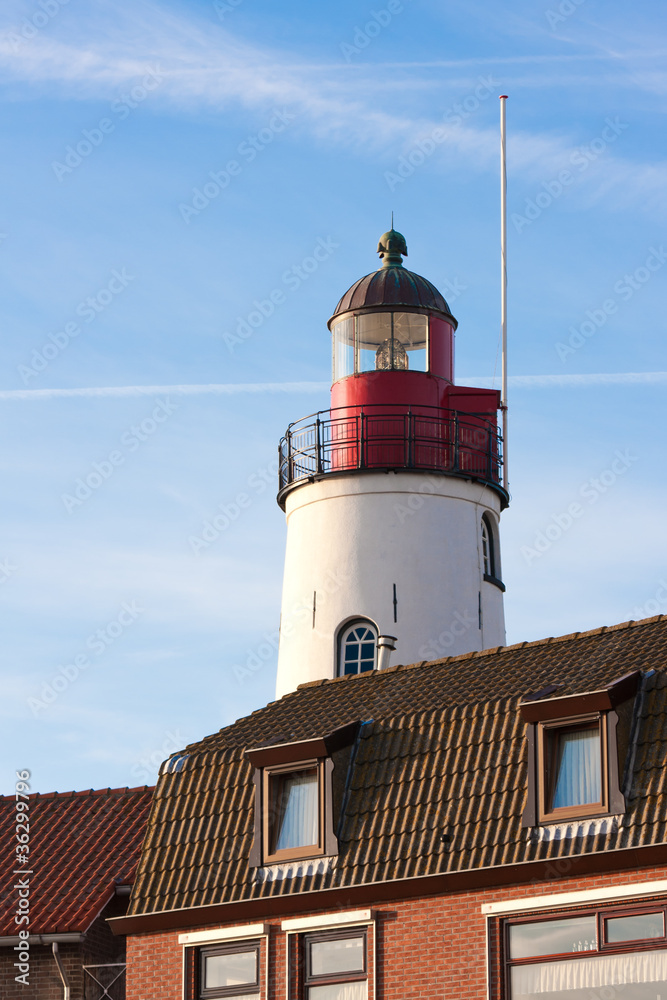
[
  {"x": 503, "y": 281},
  {"x": 392, "y": 218}
]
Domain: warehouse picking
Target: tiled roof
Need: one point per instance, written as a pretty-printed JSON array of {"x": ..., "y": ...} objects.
[
  {"x": 442, "y": 751},
  {"x": 81, "y": 845}
]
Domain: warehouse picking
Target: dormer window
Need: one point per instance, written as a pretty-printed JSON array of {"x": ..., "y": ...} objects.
[
  {"x": 573, "y": 759},
  {"x": 293, "y": 820},
  {"x": 294, "y": 803},
  {"x": 573, "y": 762}
]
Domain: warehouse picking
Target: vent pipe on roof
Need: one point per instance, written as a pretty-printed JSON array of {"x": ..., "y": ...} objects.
[
  {"x": 386, "y": 646},
  {"x": 61, "y": 970}
]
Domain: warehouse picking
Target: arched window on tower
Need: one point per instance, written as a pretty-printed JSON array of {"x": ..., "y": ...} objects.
[
  {"x": 490, "y": 562},
  {"x": 488, "y": 549},
  {"x": 357, "y": 647}
]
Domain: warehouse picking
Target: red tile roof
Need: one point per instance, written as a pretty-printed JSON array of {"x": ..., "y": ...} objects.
[{"x": 81, "y": 845}]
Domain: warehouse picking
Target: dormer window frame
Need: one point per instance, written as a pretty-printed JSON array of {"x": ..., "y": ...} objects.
[
  {"x": 271, "y": 765},
  {"x": 273, "y": 810},
  {"x": 549, "y": 736},
  {"x": 546, "y": 719}
]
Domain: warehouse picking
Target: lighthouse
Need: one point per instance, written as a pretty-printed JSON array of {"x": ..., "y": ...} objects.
[{"x": 393, "y": 495}]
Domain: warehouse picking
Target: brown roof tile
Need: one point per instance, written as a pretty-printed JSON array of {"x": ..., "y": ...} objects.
[{"x": 442, "y": 749}]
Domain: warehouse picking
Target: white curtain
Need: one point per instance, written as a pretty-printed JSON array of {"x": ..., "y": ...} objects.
[
  {"x": 578, "y": 768},
  {"x": 530, "y": 981},
  {"x": 298, "y": 827},
  {"x": 340, "y": 991}
]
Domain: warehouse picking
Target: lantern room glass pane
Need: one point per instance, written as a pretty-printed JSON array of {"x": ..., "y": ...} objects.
[
  {"x": 389, "y": 341},
  {"x": 343, "y": 348},
  {"x": 373, "y": 333},
  {"x": 411, "y": 331}
]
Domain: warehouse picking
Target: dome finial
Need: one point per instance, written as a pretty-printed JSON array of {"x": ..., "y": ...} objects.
[{"x": 391, "y": 246}]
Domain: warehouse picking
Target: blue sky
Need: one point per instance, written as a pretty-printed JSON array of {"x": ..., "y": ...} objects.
[{"x": 167, "y": 167}]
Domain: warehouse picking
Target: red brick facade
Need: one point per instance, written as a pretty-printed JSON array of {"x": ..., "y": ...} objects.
[
  {"x": 44, "y": 982},
  {"x": 434, "y": 948}
]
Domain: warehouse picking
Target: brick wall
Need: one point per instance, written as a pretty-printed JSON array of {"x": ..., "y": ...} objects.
[
  {"x": 427, "y": 949},
  {"x": 99, "y": 946},
  {"x": 44, "y": 978}
]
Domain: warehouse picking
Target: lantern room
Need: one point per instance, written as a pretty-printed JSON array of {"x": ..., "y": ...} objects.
[
  {"x": 394, "y": 404},
  {"x": 388, "y": 327}
]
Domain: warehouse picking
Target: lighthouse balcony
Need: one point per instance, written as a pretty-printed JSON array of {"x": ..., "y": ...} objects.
[{"x": 392, "y": 438}]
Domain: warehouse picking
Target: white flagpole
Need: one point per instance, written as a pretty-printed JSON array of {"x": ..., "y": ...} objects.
[{"x": 503, "y": 285}]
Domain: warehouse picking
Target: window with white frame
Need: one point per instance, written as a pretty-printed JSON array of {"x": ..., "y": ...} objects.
[
  {"x": 335, "y": 965},
  {"x": 357, "y": 648},
  {"x": 592, "y": 953}
]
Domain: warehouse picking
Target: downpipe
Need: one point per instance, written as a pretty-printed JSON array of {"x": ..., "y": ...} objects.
[{"x": 61, "y": 970}]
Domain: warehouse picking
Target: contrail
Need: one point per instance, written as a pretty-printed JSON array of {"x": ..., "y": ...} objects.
[
  {"x": 241, "y": 388},
  {"x": 222, "y": 389},
  {"x": 575, "y": 381}
]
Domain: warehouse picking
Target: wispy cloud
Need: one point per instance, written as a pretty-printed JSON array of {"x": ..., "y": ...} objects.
[
  {"x": 246, "y": 388},
  {"x": 202, "y": 64}
]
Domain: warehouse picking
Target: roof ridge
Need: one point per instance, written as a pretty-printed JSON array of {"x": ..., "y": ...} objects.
[
  {"x": 375, "y": 676},
  {"x": 88, "y": 792},
  {"x": 492, "y": 650}
]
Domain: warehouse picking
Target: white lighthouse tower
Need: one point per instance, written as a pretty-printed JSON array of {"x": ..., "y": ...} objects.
[{"x": 393, "y": 495}]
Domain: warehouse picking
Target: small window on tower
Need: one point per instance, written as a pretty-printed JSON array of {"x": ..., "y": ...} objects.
[
  {"x": 489, "y": 560},
  {"x": 487, "y": 548},
  {"x": 358, "y": 648}
]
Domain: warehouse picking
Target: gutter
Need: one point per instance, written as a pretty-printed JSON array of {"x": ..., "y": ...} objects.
[
  {"x": 63, "y": 974},
  {"x": 477, "y": 879},
  {"x": 72, "y": 938}
]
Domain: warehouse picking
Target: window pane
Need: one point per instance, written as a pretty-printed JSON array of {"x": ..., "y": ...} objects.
[
  {"x": 373, "y": 330},
  {"x": 358, "y": 644},
  {"x": 340, "y": 991},
  {"x": 607, "y": 975},
  {"x": 577, "y": 766},
  {"x": 553, "y": 937},
  {"x": 486, "y": 549},
  {"x": 237, "y": 969},
  {"x": 339, "y": 955},
  {"x": 411, "y": 330},
  {"x": 634, "y": 928},
  {"x": 297, "y": 802},
  {"x": 343, "y": 348}
]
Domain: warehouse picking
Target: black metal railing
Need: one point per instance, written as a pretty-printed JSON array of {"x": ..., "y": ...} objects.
[{"x": 391, "y": 437}]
